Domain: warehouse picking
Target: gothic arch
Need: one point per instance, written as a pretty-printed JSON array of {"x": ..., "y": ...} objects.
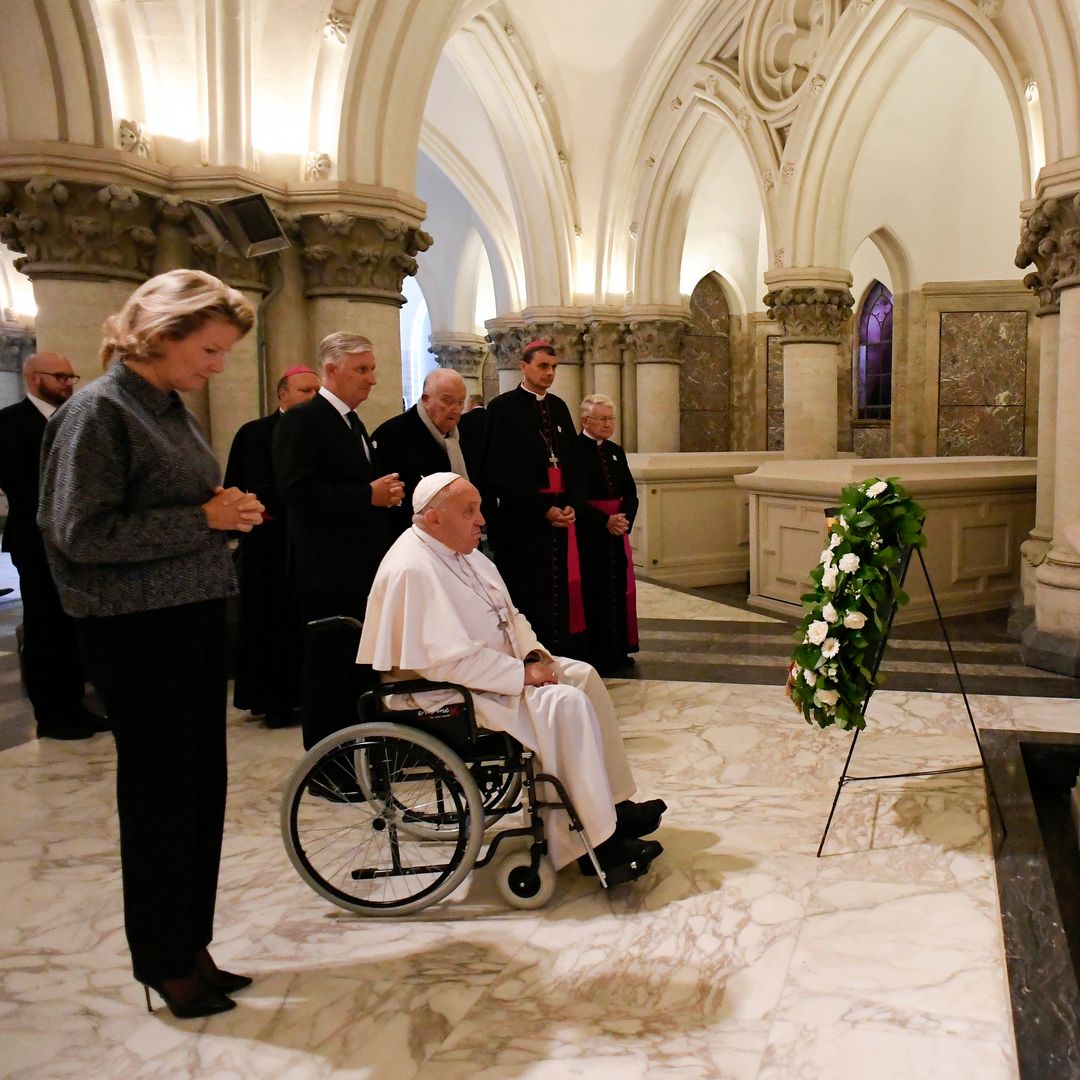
[
  {"x": 862, "y": 57},
  {"x": 53, "y": 83},
  {"x": 393, "y": 47},
  {"x": 495, "y": 225},
  {"x": 539, "y": 177}
]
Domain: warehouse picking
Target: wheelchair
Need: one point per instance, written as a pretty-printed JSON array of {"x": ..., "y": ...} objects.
[{"x": 388, "y": 816}]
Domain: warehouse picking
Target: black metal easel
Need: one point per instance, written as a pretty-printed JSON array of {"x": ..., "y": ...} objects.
[{"x": 845, "y": 778}]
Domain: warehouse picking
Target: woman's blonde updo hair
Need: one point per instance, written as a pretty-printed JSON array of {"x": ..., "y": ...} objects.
[{"x": 169, "y": 307}]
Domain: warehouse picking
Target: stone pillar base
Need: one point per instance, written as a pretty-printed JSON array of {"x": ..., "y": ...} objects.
[
  {"x": 1050, "y": 652},
  {"x": 1021, "y": 616},
  {"x": 1052, "y": 643},
  {"x": 1033, "y": 552}
]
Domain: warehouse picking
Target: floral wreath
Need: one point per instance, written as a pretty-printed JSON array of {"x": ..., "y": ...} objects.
[{"x": 847, "y": 615}]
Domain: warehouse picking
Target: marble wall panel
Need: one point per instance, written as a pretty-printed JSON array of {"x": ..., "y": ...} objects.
[
  {"x": 980, "y": 429},
  {"x": 872, "y": 440},
  {"x": 774, "y": 393},
  {"x": 982, "y": 379},
  {"x": 983, "y": 358},
  {"x": 705, "y": 371},
  {"x": 704, "y": 430},
  {"x": 704, "y": 383}
]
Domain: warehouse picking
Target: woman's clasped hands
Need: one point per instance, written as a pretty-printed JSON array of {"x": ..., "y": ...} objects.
[{"x": 233, "y": 510}]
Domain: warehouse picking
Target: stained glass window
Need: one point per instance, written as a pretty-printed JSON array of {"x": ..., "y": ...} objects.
[{"x": 874, "y": 363}]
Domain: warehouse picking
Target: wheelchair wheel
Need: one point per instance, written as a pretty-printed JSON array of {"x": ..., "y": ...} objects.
[
  {"x": 498, "y": 783},
  {"x": 395, "y": 843},
  {"x": 521, "y": 886}
]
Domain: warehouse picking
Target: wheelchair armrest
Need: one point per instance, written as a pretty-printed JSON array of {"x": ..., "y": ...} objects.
[
  {"x": 335, "y": 620},
  {"x": 420, "y": 686}
]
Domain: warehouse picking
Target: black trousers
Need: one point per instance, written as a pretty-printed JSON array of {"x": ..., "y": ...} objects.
[
  {"x": 162, "y": 675},
  {"x": 51, "y": 661},
  {"x": 332, "y": 679}
]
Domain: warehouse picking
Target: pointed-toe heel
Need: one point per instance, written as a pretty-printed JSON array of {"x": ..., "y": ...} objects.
[{"x": 206, "y": 1002}]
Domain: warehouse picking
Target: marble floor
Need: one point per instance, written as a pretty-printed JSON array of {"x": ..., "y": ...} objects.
[{"x": 740, "y": 955}]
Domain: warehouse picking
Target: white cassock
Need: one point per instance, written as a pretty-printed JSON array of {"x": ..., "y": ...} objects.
[{"x": 447, "y": 617}]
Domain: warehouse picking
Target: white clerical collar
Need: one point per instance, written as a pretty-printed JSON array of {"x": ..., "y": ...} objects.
[
  {"x": 539, "y": 397},
  {"x": 437, "y": 545},
  {"x": 42, "y": 407},
  {"x": 336, "y": 402}
]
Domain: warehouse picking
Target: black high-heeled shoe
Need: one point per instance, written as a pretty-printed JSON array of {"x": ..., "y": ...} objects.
[
  {"x": 225, "y": 982},
  {"x": 205, "y": 1002}
]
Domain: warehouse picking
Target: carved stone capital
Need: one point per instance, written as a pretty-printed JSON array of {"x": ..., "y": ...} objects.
[
  {"x": 605, "y": 341},
  {"x": 814, "y": 313},
  {"x": 657, "y": 341},
  {"x": 463, "y": 356},
  {"x": 72, "y": 229},
  {"x": 1050, "y": 240},
  {"x": 506, "y": 337},
  {"x": 565, "y": 337},
  {"x": 363, "y": 257},
  {"x": 248, "y": 275}
]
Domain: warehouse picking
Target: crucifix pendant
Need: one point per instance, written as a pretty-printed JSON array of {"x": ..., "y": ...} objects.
[{"x": 553, "y": 459}]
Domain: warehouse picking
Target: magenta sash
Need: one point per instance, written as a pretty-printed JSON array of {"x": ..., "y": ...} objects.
[
  {"x": 576, "y": 619},
  {"x": 609, "y": 507}
]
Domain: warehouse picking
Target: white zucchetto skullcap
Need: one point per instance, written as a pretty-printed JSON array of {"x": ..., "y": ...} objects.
[{"x": 429, "y": 487}]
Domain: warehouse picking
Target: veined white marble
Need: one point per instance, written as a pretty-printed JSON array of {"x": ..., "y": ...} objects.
[
  {"x": 740, "y": 955},
  {"x": 656, "y": 602}
]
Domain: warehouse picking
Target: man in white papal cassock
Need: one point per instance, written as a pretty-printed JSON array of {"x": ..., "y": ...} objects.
[{"x": 439, "y": 610}]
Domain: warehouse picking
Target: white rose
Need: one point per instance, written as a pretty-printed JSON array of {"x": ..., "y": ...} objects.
[
  {"x": 835, "y": 541},
  {"x": 876, "y": 489},
  {"x": 826, "y": 697},
  {"x": 817, "y": 632},
  {"x": 830, "y": 648},
  {"x": 827, "y": 557},
  {"x": 828, "y": 578},
  {"x": 828, "y": 613},
  {"x": 809, "y": 677},
  {"x": 854, "y": 620},
  {"x": 849, "y": 563}
]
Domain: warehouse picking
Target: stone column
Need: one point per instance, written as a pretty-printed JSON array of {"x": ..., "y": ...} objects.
[
  {"x": 507, "y": 337},
  {"x": 463, "y": 353},
  {"x": 604, "y": 344},
  {"x": 354, "y": 266},
  {"x": 565, "y": 336},
  {"x": 813, "y": 305},
  {"x": 236, "y": 395},
  {"x": 1042, "y": 281},
  {"x": 628, "y": 418},
  {"x": 85, "y": 247},
  {"x": 1052, "y": 232},
  {"x": 656, "y": 344}
]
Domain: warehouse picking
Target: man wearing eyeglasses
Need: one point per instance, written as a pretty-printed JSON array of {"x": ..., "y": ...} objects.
[{"x": 52, "y": 668}]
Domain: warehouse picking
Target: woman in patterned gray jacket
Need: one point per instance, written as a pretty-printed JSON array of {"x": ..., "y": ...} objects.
[{"x": 136, "y": 523}]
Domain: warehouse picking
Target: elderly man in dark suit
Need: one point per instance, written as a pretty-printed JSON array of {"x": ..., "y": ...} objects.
[
  {"x": 52, "y": 666},
  {"x": 338, "y": 525},
  {"x": 428, "y": 439},
  {"x": 269, "y": 643}
]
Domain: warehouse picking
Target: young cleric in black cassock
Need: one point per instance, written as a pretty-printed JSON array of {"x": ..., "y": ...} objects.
[
  {"x": 606, "y": 569},
  {"x": 531, "y": 442}
]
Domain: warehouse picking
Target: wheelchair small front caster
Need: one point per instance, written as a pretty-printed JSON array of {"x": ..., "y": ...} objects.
[{"x": 521, "y": 886}]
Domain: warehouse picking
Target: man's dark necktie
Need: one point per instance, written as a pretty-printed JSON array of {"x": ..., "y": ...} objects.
[{"x": 357, "y": 428}]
